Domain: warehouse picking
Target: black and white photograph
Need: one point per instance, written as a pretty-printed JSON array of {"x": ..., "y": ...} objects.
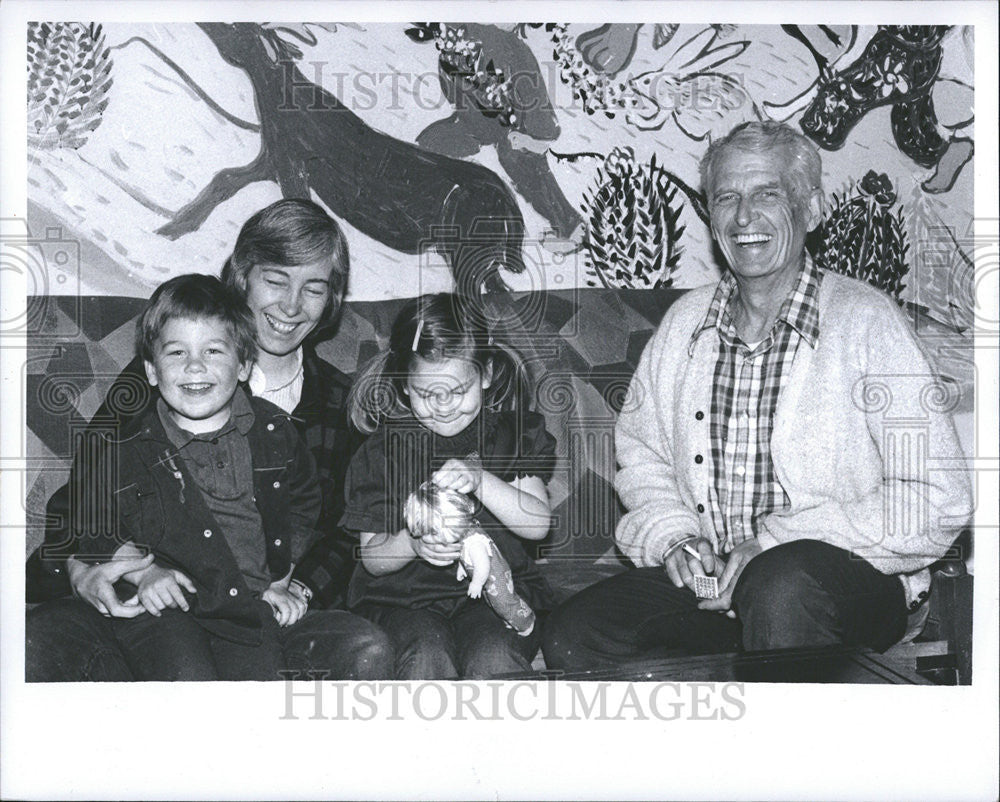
[{"x": 557, "y": 404}]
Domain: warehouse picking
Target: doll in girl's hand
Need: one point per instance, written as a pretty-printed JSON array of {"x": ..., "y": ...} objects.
[{"x": 447, "y": 514}]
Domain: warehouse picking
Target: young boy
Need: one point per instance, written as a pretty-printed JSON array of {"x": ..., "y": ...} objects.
[{"x": 220, "y": 489}]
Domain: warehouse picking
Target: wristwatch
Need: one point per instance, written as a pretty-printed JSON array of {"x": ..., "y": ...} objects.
[{"x": 307, "y": 594}]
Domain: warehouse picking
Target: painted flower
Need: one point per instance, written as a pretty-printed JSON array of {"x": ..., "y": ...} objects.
[
  {"x": 890, "y": 77},
  {"x": 878, "y": 187}
]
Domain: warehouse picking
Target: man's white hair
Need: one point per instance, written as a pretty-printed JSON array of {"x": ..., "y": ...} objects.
[{"x": 804, "y": 166}]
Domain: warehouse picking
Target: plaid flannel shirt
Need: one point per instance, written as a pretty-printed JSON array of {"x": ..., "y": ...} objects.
[{"x": 745, "y": 389}]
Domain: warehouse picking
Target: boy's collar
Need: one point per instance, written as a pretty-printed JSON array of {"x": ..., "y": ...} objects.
[{"x": 241, "y": 416}]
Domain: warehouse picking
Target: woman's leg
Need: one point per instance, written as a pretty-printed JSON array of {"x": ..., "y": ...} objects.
[
  {"x": 335, "y": 644},
  {"x": 260, "y": 663}
]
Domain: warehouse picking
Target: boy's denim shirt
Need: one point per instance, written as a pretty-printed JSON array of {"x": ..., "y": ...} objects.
[
  {"x": 321, "y": 420},
  {"x": 139, "y": 489}
]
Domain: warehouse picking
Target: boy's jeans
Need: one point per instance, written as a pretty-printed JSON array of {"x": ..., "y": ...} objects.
[{"x": 67, "y": 640}]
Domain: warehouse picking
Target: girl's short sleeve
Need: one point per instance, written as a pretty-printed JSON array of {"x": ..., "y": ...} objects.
[
  {"x": 369, "y": 507},
  {"x": 535, "y": 451}
]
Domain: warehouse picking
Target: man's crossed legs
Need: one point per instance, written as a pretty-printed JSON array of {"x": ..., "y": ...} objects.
[{"x": 800, "y": 594}]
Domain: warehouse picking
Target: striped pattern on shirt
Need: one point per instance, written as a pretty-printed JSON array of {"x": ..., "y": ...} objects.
[{"x": 745, "y": 390}]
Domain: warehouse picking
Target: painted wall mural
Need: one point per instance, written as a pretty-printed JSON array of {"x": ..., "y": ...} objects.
[{"x": 493, "y": 156}]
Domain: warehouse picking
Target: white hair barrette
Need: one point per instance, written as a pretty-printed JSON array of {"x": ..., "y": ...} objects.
[{"x": 416, "y": 335}]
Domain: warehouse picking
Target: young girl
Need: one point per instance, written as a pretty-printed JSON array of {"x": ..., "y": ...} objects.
[{"x": 446, "y": 403}]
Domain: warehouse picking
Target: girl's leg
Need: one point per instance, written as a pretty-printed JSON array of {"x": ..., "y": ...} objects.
[
  {"x": 170, "y": 647},
  {"x": 486, "y": 647},
  {"x": 423, "y": 641}
]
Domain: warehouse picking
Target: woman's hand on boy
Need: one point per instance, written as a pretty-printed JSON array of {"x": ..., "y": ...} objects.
[
  {"x": 460, "y": 475},
  {"x": 160, "y": 588},
  {"x": 288, "y": 605},
  {"x": 95, "y": 584}
]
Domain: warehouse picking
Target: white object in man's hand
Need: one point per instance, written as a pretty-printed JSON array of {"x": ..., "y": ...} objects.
[{"x": 691, "y": 558}]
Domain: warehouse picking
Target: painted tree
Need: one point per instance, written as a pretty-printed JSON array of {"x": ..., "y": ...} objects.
[{"x": 69, "y": 75}]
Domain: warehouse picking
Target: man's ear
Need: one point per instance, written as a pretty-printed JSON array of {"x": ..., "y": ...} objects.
[
  {"x": 816, "y": 206},
  {"x": 245, "y": 369},
  {"x": 487, "y": 378},
  {"x": 150, "y": 372}
]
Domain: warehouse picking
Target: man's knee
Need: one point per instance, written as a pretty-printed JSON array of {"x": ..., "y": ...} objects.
[
  {"x": 780, "y": 601},
  {"x": 780, "y": 574}
]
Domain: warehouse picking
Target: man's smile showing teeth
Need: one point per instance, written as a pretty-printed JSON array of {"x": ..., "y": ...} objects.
[
  {"x": 280, "y": 326},
  {"x": 200, "y": 387},
  {"x": 752, "y": 239}
]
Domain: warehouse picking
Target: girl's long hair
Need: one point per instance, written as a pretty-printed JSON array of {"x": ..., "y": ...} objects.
[{"x": 436, "y": 328}]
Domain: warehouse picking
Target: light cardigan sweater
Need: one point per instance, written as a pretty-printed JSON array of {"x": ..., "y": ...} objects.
[{"x": 863, "y": 442}]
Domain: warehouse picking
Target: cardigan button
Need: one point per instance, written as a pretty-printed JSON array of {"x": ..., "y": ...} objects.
[
  {"x": 233, "y": 591},
  {"x": 277, "y": 542},
  {"x": 276, "y": 485},
  {"x": 699, "y": 415},
  {"x": 698, "y": 459},
  {"x": 270, "y": 427},
  {"x": 207, "y": 533},
  {"x": 701, "y": 508}
]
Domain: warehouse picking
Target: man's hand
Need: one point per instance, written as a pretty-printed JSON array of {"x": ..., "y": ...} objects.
[
  {"x": 738, "y": 559},
  {"x": 435, "y": 551},
  {"x": 682, "y": 566},
  {"x": 289, "y": 605},
  {"x": 160, "y": 588},
  {"x": 461, "y": 475},
  {"x": 94, "y": 584}
]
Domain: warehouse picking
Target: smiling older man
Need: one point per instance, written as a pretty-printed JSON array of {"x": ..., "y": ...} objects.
[{"x": 750, "y": 449}]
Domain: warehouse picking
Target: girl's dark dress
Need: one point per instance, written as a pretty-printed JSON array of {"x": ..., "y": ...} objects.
[{"x": 402, "y": 454}]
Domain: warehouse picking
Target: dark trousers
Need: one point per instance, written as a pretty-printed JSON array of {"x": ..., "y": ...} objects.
[
  {"x": 68, "y": 640},
  {"x": 800, "y": 594},
  {"x": 445, "y": 641}
]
